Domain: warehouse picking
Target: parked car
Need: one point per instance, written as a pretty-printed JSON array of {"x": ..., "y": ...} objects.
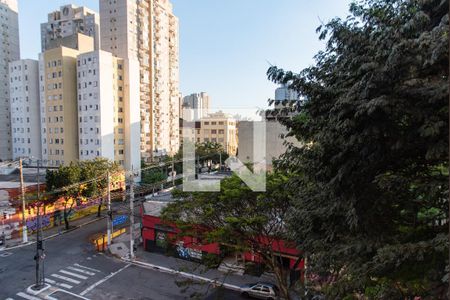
[{"x": 261, "y": 290}]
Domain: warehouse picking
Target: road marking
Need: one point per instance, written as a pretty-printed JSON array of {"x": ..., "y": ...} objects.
[
  {"x": 103, "y": 280},
  {"x": 87, "y": 268},
  {"x": 73, "y": 274},
  {"x": 49, "y": 297},
  {"x": 9, "y": 299},
  {"x": 66, "y": 278},
  {"x": 26, "y": 296},
  {"x": 81, "y": 271},
  {"x": 67, "y": 286}
]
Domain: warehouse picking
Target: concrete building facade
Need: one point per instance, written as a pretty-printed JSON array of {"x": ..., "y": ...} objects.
[
  {"x": 275, "y": 140},
  {"x": 284, "y": 93},
  {"x": 145, "y": 34},
  {"x": 215, "y": 128},
  {"x": 24, "y": 107},
  {"x": 58, "y": 101},
  {"x": 102, "y": 104},
  {"x": 9, "y": 51},
  {"x": 199, "y": 103},
  {"x": 63, "y": 25}
]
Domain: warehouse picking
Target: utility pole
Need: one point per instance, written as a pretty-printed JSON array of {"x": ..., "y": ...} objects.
[
  {"x": 39, "y": 242},
  {"x": 22, "y": 195},
  {"x": 109, "y": 218},
  {"x": 132, "y": 215},
  {"x": 220, "y": 161},
  {"x": 173, "y": 171}
]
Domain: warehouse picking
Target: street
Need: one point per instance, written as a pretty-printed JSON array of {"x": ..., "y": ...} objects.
[{"x": 74, "y": 270}]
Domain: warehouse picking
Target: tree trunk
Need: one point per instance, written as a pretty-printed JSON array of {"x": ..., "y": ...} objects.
[
  {"x": 281, "y": 280},
  {"x": 66, "y": 219},
  {"x": 99, "y": 211},
  {"x": 279, "y": 274},
  {"x": 66, "y": 214}
]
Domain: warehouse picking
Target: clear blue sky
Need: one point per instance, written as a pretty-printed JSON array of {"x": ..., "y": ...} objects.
[{"x": 225, "y": 45}]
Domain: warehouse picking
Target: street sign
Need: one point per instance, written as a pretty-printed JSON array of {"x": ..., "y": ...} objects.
[{"x": 119, "y": 220}]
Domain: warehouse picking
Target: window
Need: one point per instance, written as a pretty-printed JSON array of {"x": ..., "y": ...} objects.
[{"x": 206, "y": 123}]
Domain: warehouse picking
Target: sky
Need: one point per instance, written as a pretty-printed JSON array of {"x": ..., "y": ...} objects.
[{"x": 226, "y": 46}]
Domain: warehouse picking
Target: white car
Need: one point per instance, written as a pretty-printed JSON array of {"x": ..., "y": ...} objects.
[{"x": 261, "y": 290}]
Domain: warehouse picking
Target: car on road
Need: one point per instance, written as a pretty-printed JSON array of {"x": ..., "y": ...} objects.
[{"x": 261, "y": 290}]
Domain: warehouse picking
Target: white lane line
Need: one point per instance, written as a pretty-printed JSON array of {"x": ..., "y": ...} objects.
[
  {"x": 87, "y": 268},
  {"x": 66, "y": 286},
  {"x": 103, "y": 280},
  {"x": 26, "y": 296},
  {"x": 49, "y": 297},
  {"x": 50, "y": 281},
  {"x": 66, "y": 278},
  {"x": 73, "y": 274},
  {"x": 80, "y": 270},
  {"x": 9, "y": 299}
]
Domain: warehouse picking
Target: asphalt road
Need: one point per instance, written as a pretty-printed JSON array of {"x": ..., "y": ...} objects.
[{"x": 76, "y": 271}]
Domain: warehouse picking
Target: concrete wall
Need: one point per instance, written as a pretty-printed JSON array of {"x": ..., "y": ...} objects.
[
  {"x": 9, "y": 51},
  {"x": 25, "y": 110}
]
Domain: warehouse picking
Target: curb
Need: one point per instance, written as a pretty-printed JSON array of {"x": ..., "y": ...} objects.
[
  {"x": 214, "y": 282},
  {"x": 53, "y": 235}
]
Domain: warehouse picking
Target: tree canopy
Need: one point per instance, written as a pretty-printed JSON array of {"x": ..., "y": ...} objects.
[
  {"x": 372, "y": 180},
  {"x": 237, "y": 217},
  {"x": 83, "y": 179}
]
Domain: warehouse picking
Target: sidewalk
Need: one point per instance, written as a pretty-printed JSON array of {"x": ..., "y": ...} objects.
[
  {"x": 53, "y": 231},
  {"x": 195, "y": 271},
  {"x": 188, "y": 267}
]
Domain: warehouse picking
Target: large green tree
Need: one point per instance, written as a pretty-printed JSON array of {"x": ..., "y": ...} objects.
[
  {"x": 97, "y": 169},
  {"x": 372, "y": 178},
  {"x": 83, "y": 179},
  {"x": 239, "y": 218},
  {"x": 64, "y": 183}
]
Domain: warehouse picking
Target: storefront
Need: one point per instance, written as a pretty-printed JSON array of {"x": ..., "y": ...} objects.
[{"x": 164, "y": 238}]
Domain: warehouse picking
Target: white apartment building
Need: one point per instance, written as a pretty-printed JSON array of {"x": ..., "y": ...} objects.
[
  {"x": 63, "y": 25},
  {"x": 146, "y": 31},
  {"x": 198, "y": 103},
  {"x": 24, "y": 105},
  {"x": 9, "y": 51},
  {"x": 103, "y": 127}
]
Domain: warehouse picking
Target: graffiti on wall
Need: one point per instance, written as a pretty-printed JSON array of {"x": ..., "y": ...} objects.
[
  {"x": 188, "y": 253},
  {"x": 32, "y": 224}
]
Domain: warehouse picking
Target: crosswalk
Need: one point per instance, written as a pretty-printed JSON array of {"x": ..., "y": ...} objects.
[{"x": 66, "y": 279}]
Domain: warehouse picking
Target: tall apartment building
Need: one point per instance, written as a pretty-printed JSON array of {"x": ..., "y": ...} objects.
[
  {"x": 63, "y": 25},
  {"x": 58, "y": 101},
  {"x": 103, "y": 125},
  {"x": 25, "y": 111},
  {"x": 9, "y": 51},
  {"x": 146, "y": 31},
  {"x": 198, "y": 102}
]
